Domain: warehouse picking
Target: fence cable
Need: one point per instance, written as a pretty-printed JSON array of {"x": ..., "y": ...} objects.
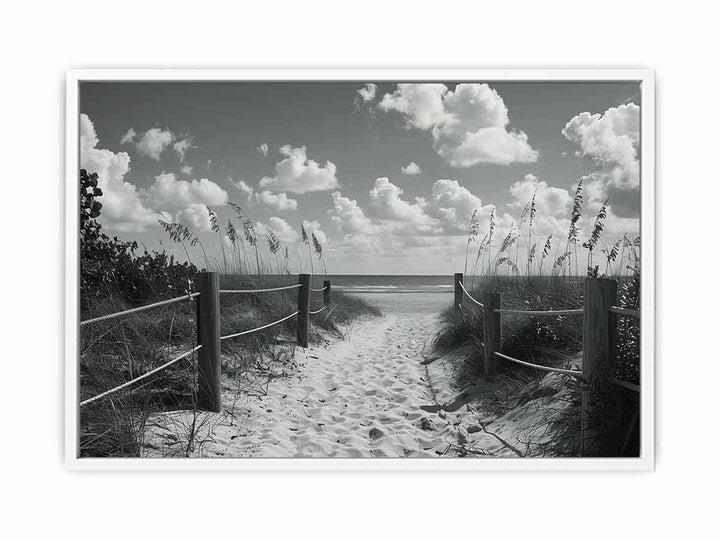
[
  {"x": 245, "y": 332},
  {"x": 248, "y": 291},
  {"x": 625, "y": 384},
  {"x": 317, "y": 311},
  {"x": 547, "y": 312},
  {"x": 137, "y": 309},
  {"x": 469, "y": 296},
  {"x": 625, "y": 311},
  {"x": 141, "y": 377},
  {"x": 318, "y": 290},
  {"x": 574, "y": 373}
]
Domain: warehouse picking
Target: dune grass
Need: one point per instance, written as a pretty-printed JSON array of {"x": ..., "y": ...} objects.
[
  {"x": 539, "y": 280},
  {"x": 115, "y": 351}
]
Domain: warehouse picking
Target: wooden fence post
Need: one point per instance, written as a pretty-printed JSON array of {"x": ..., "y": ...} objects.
[
  {"x": 208, "y": 335},
  {"x": 598, "y": 343},
  {"x": 303, "y": 315},
  {"x": 326, "y": 292},
  {"x": 492, "y": 331},
  {"x": 458, "y": 293}
]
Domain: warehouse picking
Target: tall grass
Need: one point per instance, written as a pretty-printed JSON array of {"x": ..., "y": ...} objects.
[
  {"x": 539, "y": 276},
  {"x": 115, "y": 351}
]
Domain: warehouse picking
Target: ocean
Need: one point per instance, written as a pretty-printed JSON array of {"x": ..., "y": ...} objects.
[{"x": 398, "y": 294}]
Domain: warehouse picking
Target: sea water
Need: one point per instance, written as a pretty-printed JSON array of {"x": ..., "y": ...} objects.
[{"x": 399, "y": 294}]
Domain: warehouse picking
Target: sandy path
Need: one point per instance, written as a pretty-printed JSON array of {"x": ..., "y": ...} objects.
[
  {"x": 356, "y": 397},
  {"x": 371, "y": 394}
]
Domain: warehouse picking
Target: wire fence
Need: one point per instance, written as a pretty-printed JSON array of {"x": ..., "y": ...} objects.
[
  {"x": 141, "y": 377},
  {"x": 251, "y": 291},
  {"x": 252, "y": 331},
  {"x": 138, "y": 309},
  {"x": 215, "y": 354},
  {"x": 470, "y": 296}
]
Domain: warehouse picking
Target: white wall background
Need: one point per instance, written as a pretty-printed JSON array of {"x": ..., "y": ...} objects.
[{"x": 40, "y": 42}]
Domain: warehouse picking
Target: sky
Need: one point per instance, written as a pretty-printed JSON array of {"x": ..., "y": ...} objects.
[{"x": 386, "y": 175}]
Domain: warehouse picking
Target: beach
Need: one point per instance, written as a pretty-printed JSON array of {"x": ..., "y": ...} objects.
[{"x": 375, "y": 392}]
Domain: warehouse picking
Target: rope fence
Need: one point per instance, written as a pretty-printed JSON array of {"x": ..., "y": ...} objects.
[
  {"x": 141, "y": 377},
  {"x": 625, "y": 311},
  {"x": 469, "y": 295},
  {"x": 319, "y": 290},
  {"x": 246, "y": 332},
  {"x": 599, "y": 342},
  {"x": 249, "y": 291},
  {"x": 546, "y": 312},
  {"x": 574, "y": 373},
  {"x": 317, "y": 311},
  {"x": 138, "y": 309}
]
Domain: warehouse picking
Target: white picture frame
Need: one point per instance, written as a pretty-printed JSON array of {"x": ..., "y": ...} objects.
[{"x": 647, "y": 223}]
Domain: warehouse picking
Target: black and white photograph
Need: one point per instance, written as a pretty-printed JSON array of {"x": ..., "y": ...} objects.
[{"x": 364, "y": 268}]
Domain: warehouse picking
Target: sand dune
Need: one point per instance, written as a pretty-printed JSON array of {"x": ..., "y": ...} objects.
[{"x": 372, "y": 394}]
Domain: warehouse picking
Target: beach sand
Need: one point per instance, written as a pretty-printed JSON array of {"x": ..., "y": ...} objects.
[{"x": 373, "y": 393}]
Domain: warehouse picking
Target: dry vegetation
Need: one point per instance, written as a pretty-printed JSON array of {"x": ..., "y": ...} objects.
[
  {"x": 114, "y": 277},
  {"x": 546, "y": 276}
]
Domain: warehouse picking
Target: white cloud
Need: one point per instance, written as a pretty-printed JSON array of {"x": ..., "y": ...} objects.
[
  {"x": 422, "y": 104},
  {"x": 297, "y": 174},
  {"x": 386, "y": 203},
  {"x": 468, "y": 125},
  {"x": 411, "y": 169},
  {"x": 181, "y": 147},
  {"x": 274, "y": 201},
  {"x": 154, "y": 141},
  {"x": 313, "y": 227},
  {"x": 167, "y": 192},
  {"x": 277, "y": 201},
  {"x": 280, "y": 227},
  {"x": 612, "y": 140},
  {"x": 348, "y": 216},
  {"x": 263, "y": 149},
  {"x": 123, "y": 208},
  {"x": 367, "y": 92},
  {"x": 244, "y": 188},
  {"x": 549, "y": 201},
  {"x": 455, "y": 204},
  {"x": 129, "y": 137},
  {"x": 194, "y": 216},
  {"x": 186, "y": 169}
]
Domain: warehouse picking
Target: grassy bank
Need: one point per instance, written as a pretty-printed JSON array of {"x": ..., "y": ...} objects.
[
  {"x": 116, "y": 277},
  {"x": 534, "y": 279}
]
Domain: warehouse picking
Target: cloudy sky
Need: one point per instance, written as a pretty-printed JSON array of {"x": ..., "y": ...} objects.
[{"x": 387, "y": 175}]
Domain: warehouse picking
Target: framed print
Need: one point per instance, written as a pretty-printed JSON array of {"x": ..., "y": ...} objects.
[{"x": 360, "y": 269}]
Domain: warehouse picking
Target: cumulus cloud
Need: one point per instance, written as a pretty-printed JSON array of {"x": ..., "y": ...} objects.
[
  {"x": 298, "y": 174},
  {"x": 611, "y": 140},
  {"x": 386, "y": 203},
  {"x": 274, "y": 201},
  {"x": 167, "y": 192},
  {"x": 182, "y": 146},
  {"x": 455, "y": 204},
  {"x": 123, "y": 208},
  {"x": 348, "y": 216},
  {"x": 411, "y": 169},
  {"x": 194, "y": 216},
  {"x": 263, "y": 149},
  {"x": 549, "y": 200},
  {"x": 367, "y": 92},
  {"x": 186, "y": 169},
  {"x": 277, "y": 201},
  {"x": 280, "y": 228},
  {"x": 313, "y": 227},
  {"x": 469, "y": 125},
  {"x": 154, "y": 141},
  {"x": 129, "y": 137}
]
